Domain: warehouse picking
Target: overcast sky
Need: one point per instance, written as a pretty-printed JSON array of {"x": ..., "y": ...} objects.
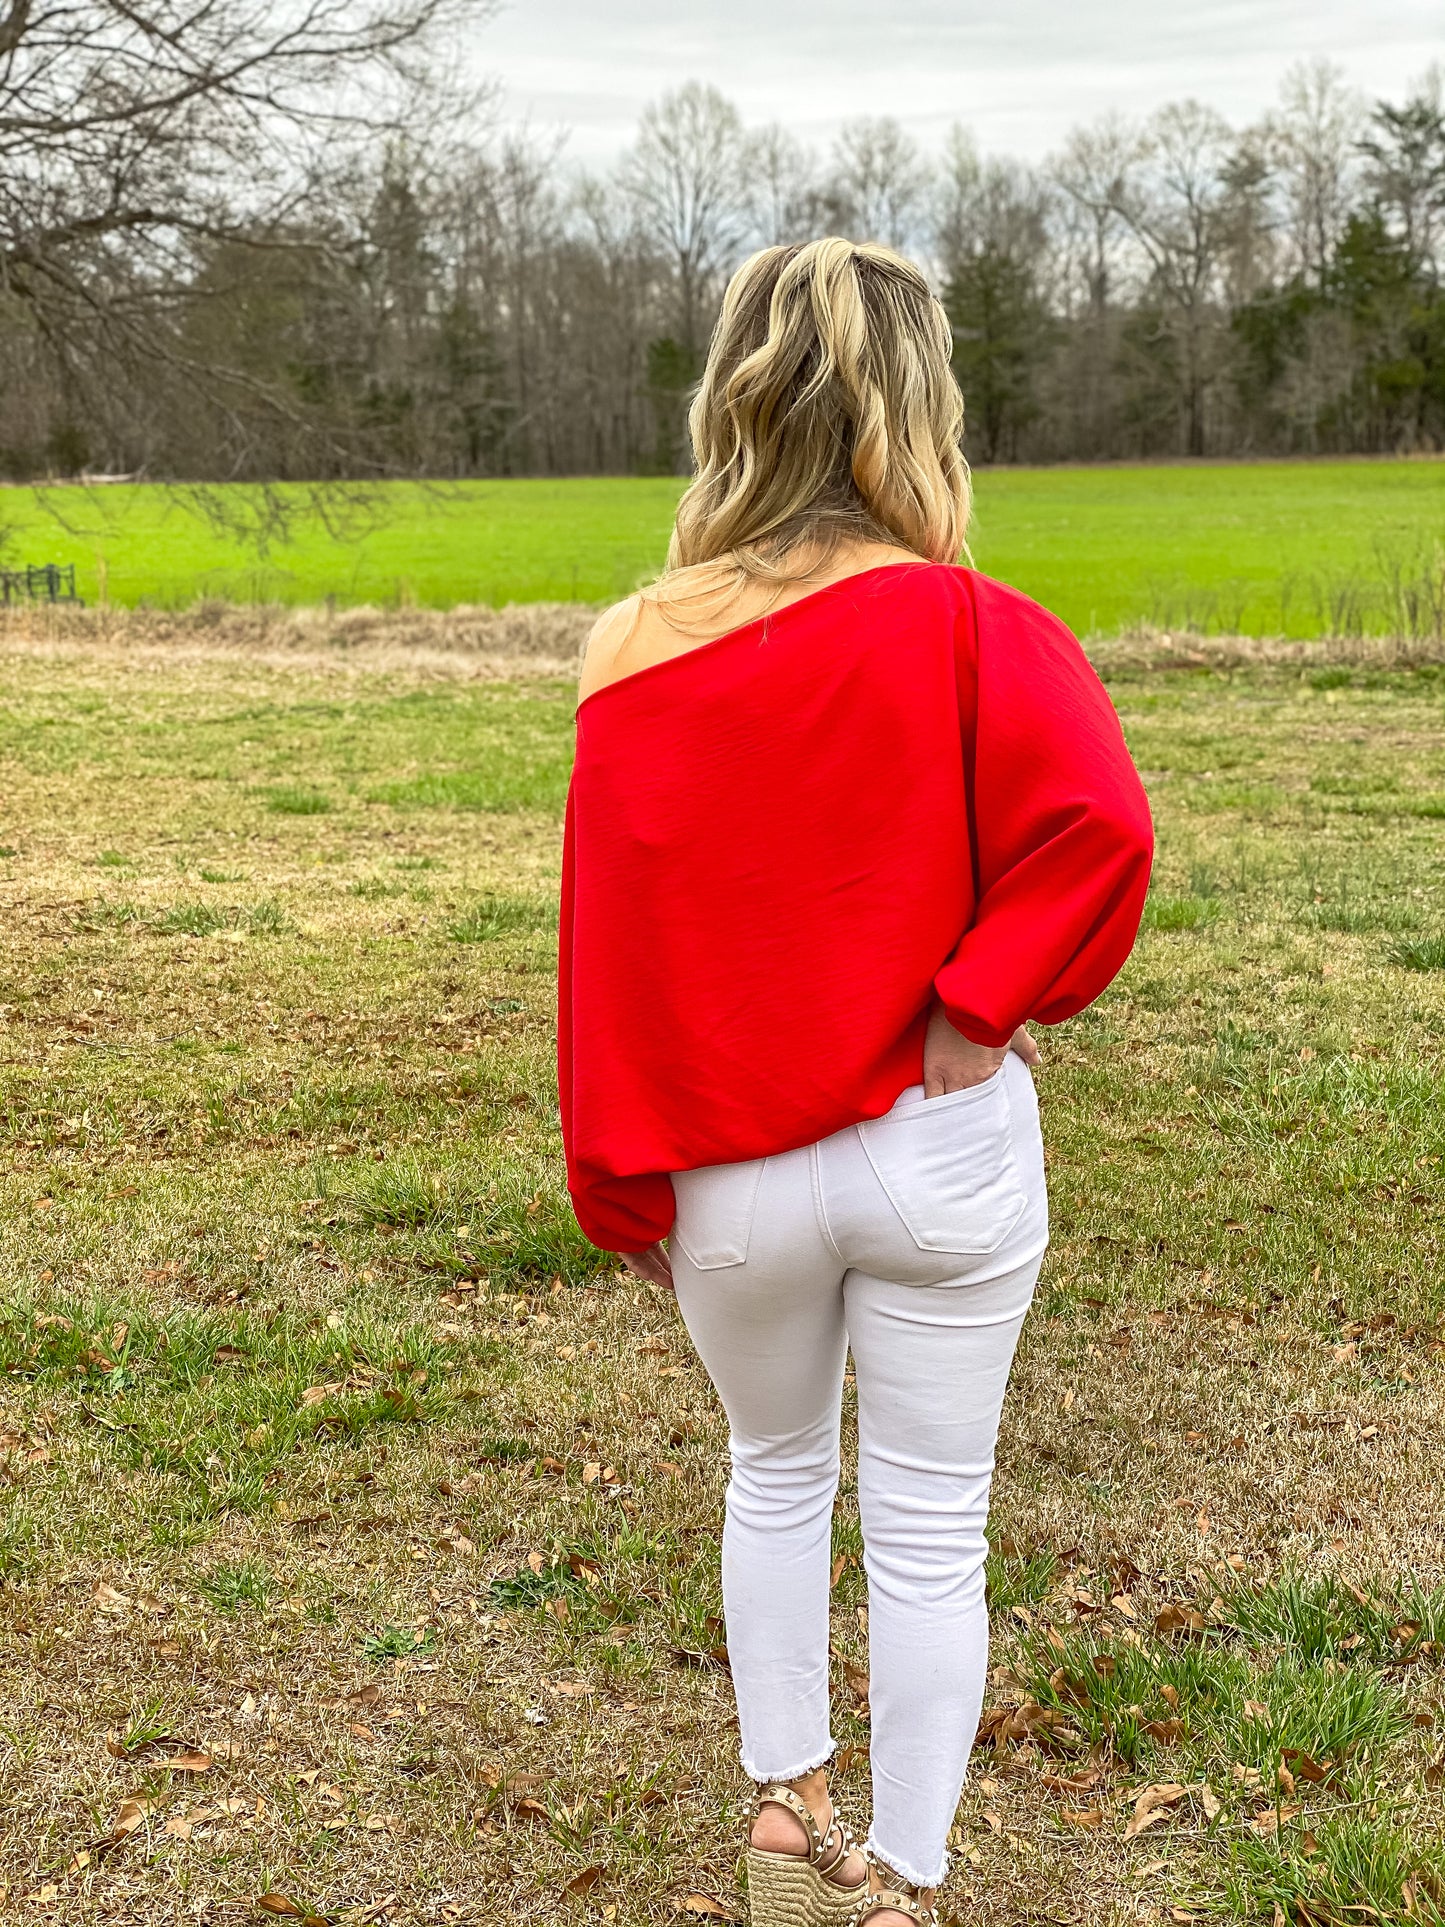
[{"x": 1018, "y": 72}]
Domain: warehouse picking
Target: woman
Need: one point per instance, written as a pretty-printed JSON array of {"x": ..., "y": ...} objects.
[{"x": 844, "y": 816}]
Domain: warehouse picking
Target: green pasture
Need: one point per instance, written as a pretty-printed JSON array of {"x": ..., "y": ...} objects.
[
  {"x": 1303, "y": 548},
  {"x": 359, "y": 1522}
]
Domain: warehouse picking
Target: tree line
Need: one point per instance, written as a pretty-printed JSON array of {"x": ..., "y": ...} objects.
[{"x": 241, "y": 243}]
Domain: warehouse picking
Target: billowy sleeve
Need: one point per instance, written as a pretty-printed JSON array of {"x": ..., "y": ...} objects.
[{"x": 1060, "y": 826}]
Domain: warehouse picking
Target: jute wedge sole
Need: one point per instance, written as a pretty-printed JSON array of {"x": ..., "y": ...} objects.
[
  {"x": 792, "y": 1889},
  {"x": 785, "y": 1890}
]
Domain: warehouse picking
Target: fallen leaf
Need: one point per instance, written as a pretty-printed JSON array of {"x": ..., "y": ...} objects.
[
  {"x": 132, "y": 1815},
  {"x": 1153, "y": 1805},
  {"x": 1166, "y": 1732},
  {"x": 108, "y": 1599},
  {"x": 1079, "y": 1782},
  {"x": 704, "y": 1906},
  {"x": 162, "y": 1749},
  {"x": 1176, "y": 1619},
  {"x": 280, "y": 1904},
  {"x": 1270, "y": 1819},
  {"x": 581, "y": 1884},
  {"x": 1001, "y": 1726},
  {"x": 1082, "y": 1816}
]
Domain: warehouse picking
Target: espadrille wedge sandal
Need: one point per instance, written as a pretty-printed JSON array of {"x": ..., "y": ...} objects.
[
  {"x": 896, "y": 1895},
  {"x": 793, "y": 1889}
]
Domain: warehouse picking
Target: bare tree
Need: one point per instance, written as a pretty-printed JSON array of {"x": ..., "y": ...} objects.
[
  {"x": 1099, "y": 272},
  {"x": 138, "y": 137},
  {"x": 1093, "y": 171},
  {"x": 685, "y": 178},
  {"x": 1192, "y": 205},
  {"x": 880, "y": 182},
  {"x": 784, "y": 199},
  {"x": 993, "y": 247},
  {"x": 1312, "y": 141}
]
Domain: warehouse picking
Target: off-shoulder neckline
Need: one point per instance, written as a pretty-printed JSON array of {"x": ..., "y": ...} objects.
[{"x": 769, "y": 616}]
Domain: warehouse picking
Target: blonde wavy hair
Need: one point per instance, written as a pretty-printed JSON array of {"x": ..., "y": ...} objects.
[{"x": 828, "y": 410}]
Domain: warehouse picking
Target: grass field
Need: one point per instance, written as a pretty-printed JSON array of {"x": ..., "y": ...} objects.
[
  {"x": 358, "y": 1523},
  {"x": 1258, "y": 549}
]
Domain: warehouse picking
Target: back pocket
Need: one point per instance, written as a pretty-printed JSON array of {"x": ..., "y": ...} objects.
[
  {"x": 715, "y": 1208},
  {"x": 948, "y": 1166}
]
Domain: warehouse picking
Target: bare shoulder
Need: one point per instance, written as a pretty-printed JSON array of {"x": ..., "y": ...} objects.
[{"x": 608, "y": 637}]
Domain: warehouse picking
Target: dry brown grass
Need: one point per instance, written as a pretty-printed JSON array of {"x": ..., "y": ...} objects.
[
  {"x": 272, "y": 1129},
  {"x": 477, "y": 642}
]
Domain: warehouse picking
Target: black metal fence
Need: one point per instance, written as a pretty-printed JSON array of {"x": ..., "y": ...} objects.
[{"x": 38, "y": 582}]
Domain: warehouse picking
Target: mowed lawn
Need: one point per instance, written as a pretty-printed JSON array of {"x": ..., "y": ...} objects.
[
  {"x": 1262, "y": 548},
  {"x": 359, "y": 1524}
]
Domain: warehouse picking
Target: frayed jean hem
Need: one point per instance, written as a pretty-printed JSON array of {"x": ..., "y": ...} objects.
[
  {"x": 750, "y": 1767},
  {"x": 915, "y": 1876}
]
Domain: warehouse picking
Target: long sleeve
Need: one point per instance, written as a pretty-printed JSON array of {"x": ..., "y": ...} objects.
[
  {"x": 1061, "y": 832},
  {"x": 617, "y": 1211}
]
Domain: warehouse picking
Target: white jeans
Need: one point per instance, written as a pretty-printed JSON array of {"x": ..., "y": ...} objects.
[{"x": 916, "y": 1239}]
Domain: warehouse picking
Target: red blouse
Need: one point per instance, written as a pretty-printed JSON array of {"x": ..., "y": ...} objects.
[{"x": 781, "y": 844}]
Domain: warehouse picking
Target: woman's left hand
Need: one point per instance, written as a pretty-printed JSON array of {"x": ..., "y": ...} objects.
[
  {"x": 654, "y": 1265},
  {"x": 952, "y": 1063}
]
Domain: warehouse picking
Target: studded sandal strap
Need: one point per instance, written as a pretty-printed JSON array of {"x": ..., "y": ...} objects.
[
  {"x": 892, "y": 1895},
  {"x": 838, "y": 1843},
  {"x": 784, "y": 1796},
  {"x": 885, "y": 1900},
  {"x": 826, "y": 1851}
]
